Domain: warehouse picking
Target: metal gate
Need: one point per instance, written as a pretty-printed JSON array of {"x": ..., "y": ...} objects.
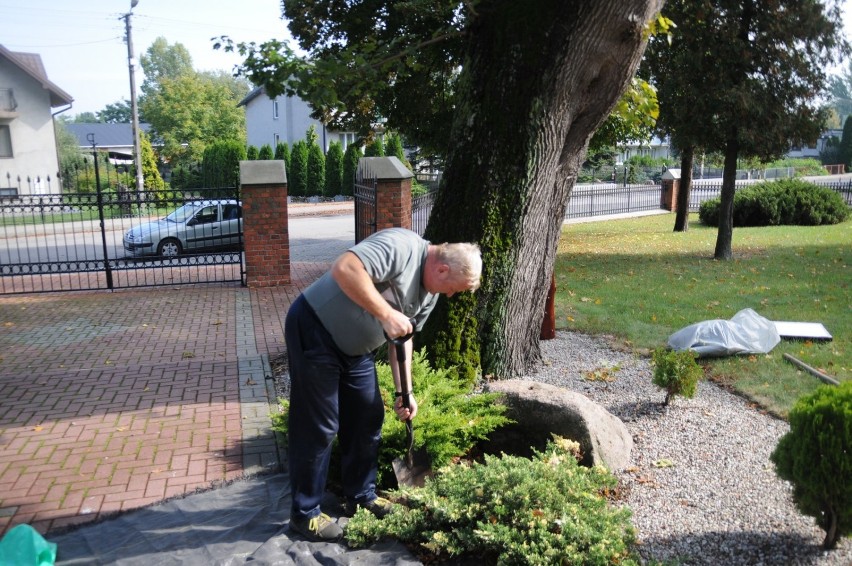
[
  {"x": 119, "y": 239},
  {"x": 365, "y": 204}
]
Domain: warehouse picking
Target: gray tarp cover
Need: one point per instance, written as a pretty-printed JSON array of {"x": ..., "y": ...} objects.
[
  {"x": 242, "y": 523},
  {"x": 746, "y": 333}
]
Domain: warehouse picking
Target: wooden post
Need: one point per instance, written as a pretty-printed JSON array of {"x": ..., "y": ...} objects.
[{"x": 548, "y": 325}]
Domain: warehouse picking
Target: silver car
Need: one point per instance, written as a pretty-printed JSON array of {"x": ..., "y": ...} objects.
[{"x": 195, "y": 226}]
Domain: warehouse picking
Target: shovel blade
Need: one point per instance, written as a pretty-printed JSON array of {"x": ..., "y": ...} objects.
[{"x": 413, "y": 475}]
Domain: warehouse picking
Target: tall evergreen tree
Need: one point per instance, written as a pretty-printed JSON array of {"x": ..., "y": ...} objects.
[
  {"x": 394, "y": 148},
  {"x": 846, "y": 144},
  {"x": 252, "y": 153},
  {"x": 297, "y": 177},
  {"x": 350, "y": 168},
  {"x": 334, "y": 170},
  {"x": 265, "y": 152},
  {"x": 316, "y": 170},
  {"x": 376, "y": 148},
  {"x": 152, "y": 180},
  {"x": 282, "y": 152}
]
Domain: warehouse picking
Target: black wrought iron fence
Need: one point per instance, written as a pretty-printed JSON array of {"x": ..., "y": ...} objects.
[{"x": 119, "y": 238}]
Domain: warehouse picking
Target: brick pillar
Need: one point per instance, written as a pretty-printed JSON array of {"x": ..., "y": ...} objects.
[
  {"x": 668, "y": 197},
  {"x": 393, "y": 190},
  {"x": 263, "y": 189}
]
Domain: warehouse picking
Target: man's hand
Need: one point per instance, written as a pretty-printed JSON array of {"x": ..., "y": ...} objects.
[
  {"x": 404, "y": 413},
  {"x": 396, "y": 324}
]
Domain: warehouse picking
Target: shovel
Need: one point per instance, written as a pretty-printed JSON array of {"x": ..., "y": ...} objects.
[{"x": 416, "y": 467}]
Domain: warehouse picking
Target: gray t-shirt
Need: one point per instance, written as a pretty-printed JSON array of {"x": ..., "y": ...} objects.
[{"x": 394, "y": 259}]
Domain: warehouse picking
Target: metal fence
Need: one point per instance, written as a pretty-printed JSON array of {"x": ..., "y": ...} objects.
[
  {"x": 77, "y": 241},
  {"x": 608, "y": 198},
  {"x": 703, "y": 191}
]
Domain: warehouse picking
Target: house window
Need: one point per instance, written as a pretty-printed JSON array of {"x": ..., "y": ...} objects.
[
  {"x": 274, "y": 109},
  {"x": 276, "y": 140},
  {"x": 5, "y": 141},
  {"x": 346, "y": 139}
]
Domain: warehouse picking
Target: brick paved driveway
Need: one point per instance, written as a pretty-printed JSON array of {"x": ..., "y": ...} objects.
[{"x": 114, "y": 400}]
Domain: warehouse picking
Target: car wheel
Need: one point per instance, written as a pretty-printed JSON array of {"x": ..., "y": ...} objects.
[{"x": 169, "y": 248}]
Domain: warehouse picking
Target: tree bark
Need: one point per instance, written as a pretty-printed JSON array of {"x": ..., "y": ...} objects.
[
  {"x": 687, "y": 155},
  {"x": 726, "y": 206},
  {"x": 538, "y": 79}
]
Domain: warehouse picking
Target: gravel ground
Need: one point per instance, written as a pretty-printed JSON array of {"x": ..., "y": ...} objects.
[{"x": 701, "y": 486}]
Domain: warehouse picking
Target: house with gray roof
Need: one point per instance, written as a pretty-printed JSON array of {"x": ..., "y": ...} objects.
[
  {"x": 284, "y": 119},
  {"x": 116, "y": 139},
  {"x": 29, "y": 162}
]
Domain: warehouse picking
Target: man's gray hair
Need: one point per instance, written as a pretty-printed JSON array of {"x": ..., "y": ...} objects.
[{"x": 464, "y": 260}]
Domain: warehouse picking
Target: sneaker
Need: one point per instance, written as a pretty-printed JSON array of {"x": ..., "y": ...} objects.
[
  {"x": 321, "y": 528},
  {"x": 380, "y": 507}
]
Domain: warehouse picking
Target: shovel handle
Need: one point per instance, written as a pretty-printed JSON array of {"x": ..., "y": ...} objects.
[{"x": 404, "y": 375}]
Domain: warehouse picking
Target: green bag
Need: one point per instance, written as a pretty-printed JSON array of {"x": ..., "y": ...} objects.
[{"x": 24, "y": 546}]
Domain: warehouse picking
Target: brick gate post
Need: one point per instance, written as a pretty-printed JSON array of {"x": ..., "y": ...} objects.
[
  {"x": 393, "y": 190},
  {"x": 263, "y": 189}
]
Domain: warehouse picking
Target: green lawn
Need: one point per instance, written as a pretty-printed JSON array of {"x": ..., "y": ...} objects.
[{"x": 639, "y": 281}]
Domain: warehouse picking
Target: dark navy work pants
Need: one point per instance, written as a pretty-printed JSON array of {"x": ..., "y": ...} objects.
[{"x": 331, "y": 394}]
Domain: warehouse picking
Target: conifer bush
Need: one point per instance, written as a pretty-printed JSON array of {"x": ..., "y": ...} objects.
[
  {"x": 450, "y": 419},
  {"x": 676, "y": 372},
  {"x": 783, "y": 202},
  {"x": 542, "y": 510},
  {"x": 816, "y": 457}
]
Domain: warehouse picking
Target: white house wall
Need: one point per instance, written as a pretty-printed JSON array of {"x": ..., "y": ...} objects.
[
  {"x": 290, "y": 125},
  {"x": 32, "y": 133}
]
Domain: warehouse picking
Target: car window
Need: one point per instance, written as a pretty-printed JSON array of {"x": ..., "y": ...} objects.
[
  {"x": 182, "y": 213},
  {"x": 231, "y": 212},
  {"x": 207, "y": 214}
]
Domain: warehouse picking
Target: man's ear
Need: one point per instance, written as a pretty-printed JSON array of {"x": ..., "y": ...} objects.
[{"x": 443, "y": 269}]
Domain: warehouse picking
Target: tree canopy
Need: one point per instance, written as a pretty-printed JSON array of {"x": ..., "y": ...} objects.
[
  {"x": 187, "y": 109},
  {"x": 743, "y": 77},
  {"x": 511, "y": 92}
]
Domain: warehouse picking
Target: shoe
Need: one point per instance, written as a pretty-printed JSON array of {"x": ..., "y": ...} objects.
[
  {"x": 380, "y": 507},
  {"x": 321, "y": 528}
]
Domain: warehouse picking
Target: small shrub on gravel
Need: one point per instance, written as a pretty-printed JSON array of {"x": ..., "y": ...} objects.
[
  {"x": 784, "y": 202},
  {"x": 676, "y": 372},
  {"x": 510, "y": 510},
  {"x": 816, "y": 457}
]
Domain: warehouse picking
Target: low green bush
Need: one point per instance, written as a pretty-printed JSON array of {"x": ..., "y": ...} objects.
[
  {"x": 816, "y": 457},
  {"x": 676, "y": 372},
  {"x": 511, "y": 510},
  {"x": 450, "y": 419},
  {"x": 783, "y": 202}
]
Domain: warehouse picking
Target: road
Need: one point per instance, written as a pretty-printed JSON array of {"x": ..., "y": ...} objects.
[{"x": 312, "y": 238}]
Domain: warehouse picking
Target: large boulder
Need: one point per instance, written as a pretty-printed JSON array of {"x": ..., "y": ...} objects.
[{"x": 541, "y": 410}]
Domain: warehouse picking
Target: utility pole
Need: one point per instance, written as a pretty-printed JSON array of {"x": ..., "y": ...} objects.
[{"x": 134, "y": 110}]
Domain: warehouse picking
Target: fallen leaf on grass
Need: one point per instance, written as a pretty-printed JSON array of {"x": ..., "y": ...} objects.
[{"x": 664, "y": 463}]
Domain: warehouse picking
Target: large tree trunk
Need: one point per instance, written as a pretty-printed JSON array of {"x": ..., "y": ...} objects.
[
  {"x": 687, "y": 156},
  {"x": 726, "y": 206},
  {"x": 538, "y": 79}
]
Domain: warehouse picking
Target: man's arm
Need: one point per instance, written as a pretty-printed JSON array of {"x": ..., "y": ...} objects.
[{"x": 349, "y": 273}]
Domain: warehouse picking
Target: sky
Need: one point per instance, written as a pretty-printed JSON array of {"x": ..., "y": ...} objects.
[
  {"x": 82, "y": 45},
  {"x": 81, "y": 42}
]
